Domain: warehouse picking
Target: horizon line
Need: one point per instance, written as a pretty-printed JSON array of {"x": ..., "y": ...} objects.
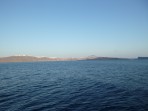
[{"x": 93, "y": 56}]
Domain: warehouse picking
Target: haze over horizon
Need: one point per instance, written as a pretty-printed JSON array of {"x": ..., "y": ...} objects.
[
  {"x": 82, "y": 57},
  {"x": 78, "y": 28}
]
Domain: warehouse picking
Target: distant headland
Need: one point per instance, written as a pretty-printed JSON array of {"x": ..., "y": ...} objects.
[
  {"x": 27, "y": 58},
  {"x": 142, "y": 57}
]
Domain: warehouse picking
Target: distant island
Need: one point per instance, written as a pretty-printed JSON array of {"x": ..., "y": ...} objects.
[
  {"x": 142, "y": 57},
  {"x": 26, "y": 58}
]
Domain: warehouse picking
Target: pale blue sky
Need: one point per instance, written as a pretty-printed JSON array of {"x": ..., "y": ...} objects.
[{"x": 74, "y": 28}]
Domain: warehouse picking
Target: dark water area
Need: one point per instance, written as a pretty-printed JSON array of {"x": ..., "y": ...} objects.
[{"x": 102, "y": 85}]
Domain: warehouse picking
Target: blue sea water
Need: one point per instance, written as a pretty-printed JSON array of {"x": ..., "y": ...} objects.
[{"x": 101, "y": 85}]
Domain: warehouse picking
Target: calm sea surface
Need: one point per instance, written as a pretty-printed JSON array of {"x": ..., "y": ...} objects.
[{"x": 102, "y": 85}]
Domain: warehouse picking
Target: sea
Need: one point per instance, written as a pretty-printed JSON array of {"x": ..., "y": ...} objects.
[{"x": 91, "y": 85}]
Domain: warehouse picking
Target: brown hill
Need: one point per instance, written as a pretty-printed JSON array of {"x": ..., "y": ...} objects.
[
  {"x": 35, "y": 59},
  {"x": 24, "y": 59}
]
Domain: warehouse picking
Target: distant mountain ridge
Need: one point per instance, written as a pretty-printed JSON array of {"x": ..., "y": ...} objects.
[{"x": 26, "y": 58}]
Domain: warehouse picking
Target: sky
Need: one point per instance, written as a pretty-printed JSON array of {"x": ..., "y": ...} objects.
[{"x": 74, "y": 28}]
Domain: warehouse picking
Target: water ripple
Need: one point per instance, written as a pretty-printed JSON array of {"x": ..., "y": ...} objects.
[{"x": 74, "y": 86}]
